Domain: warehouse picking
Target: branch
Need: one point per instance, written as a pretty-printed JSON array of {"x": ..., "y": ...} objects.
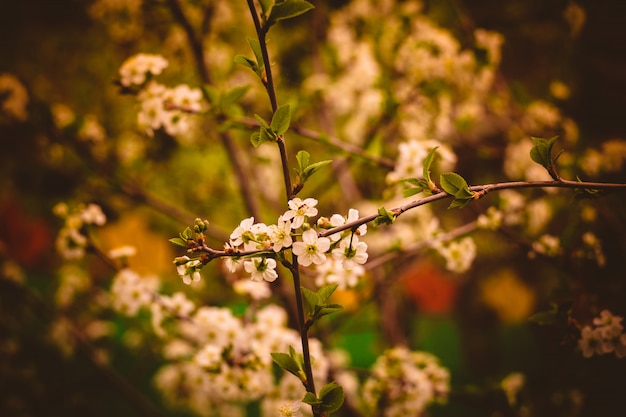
[
  {"x": 195, "y": 43},
  {"x": 482, "y": 190}
]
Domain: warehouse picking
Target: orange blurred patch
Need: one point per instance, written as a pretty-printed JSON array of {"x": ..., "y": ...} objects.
[
  {"x": 511, "y": 298},
  {"x": 431, "y": 289},
  {"x": 154, "y": 253}
]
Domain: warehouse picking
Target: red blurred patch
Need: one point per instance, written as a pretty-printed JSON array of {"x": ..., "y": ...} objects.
[
  {"x": 431, "y": 289},
  {"x": 23, "y": 238}
]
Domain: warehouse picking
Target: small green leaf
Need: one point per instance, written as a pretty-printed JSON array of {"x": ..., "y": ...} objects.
[
  {"x": 311, "y": 299},
  {"x": 541, "y": 153},
  {"x": 428, "y": 161},
  {"x": 286, "y": 362},
  {"x": 233, "y": 96},
  {"x": 266, "y": 6},
  {"x": 261, "y": 121},
  {"x": 178, "y": 241},
  {"x": 288, "y": 9},
  {"x": 255, "y": 139},
  {"x": 255, "y": 45},
  {"x": 418, "y": 185},
  {"x": 186, "y": 234},
  {"x": 384, "y": 217},
  {"x": 455, "y": 185},
  {"x": 267, "y": 135},
  {"x": 281, "y": 119},
  {"x": 332, "y": 397},
  {"x": 303, "y": 158},
  {"x": 311, "y": 399},
  {"x": 313, "y": 168},
  {"x": 327, "y": 309},
  {"x": 325, "y": 292},
  {"x": 246, "y": 62},
  {"x": 460, "y": 203}
]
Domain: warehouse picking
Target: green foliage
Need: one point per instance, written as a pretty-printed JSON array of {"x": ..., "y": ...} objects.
[
  {"x": 287, "y": 9},
  {"x": 225, "y": 102},
  {"x": 281, "y": 119},
  {"x": 305, "y": 169},
  {"x": 184, "y": 237},
  {"x": 257, "y": 65},
  {"x": 426, "y": 184},
  {"x": 541, "y": 153},
  {"x": 330, "y": 398},
  {"x": 455, "y": 185},
  {"x": 277, "y": 127},
  {"x": 385, "y": 217},
  {"x": 316, "y": 303},
  {"x": 291, "y": 362}
]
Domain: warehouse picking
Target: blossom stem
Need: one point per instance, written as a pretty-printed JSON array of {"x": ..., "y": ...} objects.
[{"x": 304, "y": 336}]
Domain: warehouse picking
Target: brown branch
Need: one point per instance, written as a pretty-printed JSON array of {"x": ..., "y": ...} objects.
[{"x": 195, "y": 43}]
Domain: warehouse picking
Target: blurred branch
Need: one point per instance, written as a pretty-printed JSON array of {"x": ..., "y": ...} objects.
[
  {"x": 413, "y": 249},
  {"x": 195, "y": 42}
]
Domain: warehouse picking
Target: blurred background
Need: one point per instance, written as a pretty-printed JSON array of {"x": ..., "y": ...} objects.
[{"x": 65, "y": 55}]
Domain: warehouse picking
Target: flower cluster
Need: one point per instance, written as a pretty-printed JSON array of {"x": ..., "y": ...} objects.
[
  {"x": 72, "y": 239},
  {"x": 404, "y": 383},
  {"x": 231, "y": 362},
  {"x": 459, "y": 255},
  {"x": 131, "y": 292},
  {"x": 605, "y": 336},
  {"x": 138, "y": 68},
  {"x": 339, "y": 252},
  {"x": 161, "y": 107}
]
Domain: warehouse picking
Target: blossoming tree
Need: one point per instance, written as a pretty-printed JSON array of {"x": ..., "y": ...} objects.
[{"x": 316, "y": 164}]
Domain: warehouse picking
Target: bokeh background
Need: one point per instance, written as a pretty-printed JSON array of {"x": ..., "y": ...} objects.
[{"x": 67, "y": 53}]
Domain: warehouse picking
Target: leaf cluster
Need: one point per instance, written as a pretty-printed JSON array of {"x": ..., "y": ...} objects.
[
  {"x": 305, "y": 169},
  {"x": 317, "y": 305},
  {"x": 275, "y": 11},
  {"x": 270, "y": 132}
]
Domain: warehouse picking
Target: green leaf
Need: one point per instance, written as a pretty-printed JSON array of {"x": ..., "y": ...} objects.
[
  {"x": 460, "y": 203},
  {"x": 541, "y": 153},
  {"x": 211, "y": 94},
  {"x": 233, "y": 96},
  {"x": 327, "y": 309},
  {"x": 313, "y": 168},
  {"x": 255, "y": 45},
  {"x": 288, "y": 9},
  {"x": 455, "y": 185},
  {"x": 418, "y": 185},
  {"x": 255, "y": 139},
  {"x": 178, "y": 241},
  {"x": 428, "y": 161},
  {"x": 325, "y": 292},
  {"x": 311, "y": 399},
  {"x": 186, "y": 234},
  {"x": 303, "y": 158},
  {"x": 332, "y": 397},
  {"x": 384, "y": 217},
  {"x": 286, "y": 362},
  {"x": 311, "y": 299},
  {"x": 267, "y": 135},
  {"x": 246, "y": 62},
  {"x": 261, "y": 121},
  {"x": 281, "y": 120},
  {"x": 266, "y": 6}
]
